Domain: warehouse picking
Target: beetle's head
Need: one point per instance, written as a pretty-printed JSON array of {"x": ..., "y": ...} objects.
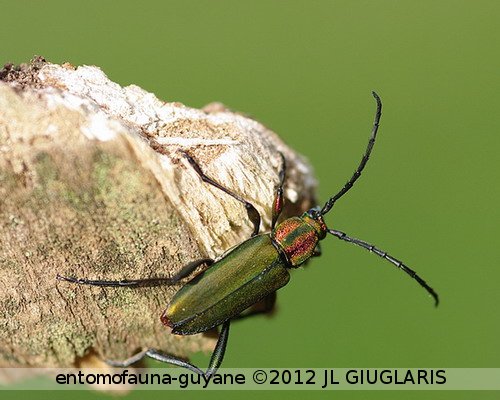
[{"x": 314, "y": 218}]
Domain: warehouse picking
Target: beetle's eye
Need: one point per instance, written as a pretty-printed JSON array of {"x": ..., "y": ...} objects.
[{"x": 314, "y": 212}]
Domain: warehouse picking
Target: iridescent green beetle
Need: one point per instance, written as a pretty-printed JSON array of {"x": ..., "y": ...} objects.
[{"x": 251, "y": 271}]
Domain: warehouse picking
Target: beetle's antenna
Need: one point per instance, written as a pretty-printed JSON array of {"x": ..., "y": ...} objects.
[
  {"x": 385, "y": 256},
  {"x": 329, "y": 204}
]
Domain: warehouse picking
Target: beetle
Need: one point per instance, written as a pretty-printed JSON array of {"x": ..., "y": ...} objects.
[{"x": 249, "y": 272}]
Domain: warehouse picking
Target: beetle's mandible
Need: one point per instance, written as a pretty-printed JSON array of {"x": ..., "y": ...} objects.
[{"x": 250, "y": 272}]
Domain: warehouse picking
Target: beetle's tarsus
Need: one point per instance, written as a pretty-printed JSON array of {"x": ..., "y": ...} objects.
[
  {"x": 129, "y": 361},
  {"x": 66, "y": 278}
]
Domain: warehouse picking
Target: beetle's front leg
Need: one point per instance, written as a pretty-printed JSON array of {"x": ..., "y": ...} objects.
[
  {"x": 185, "y": 271},
  {"x": 252, "y": 212},
  {"x": 213, "y": 366},
  {"x": 317, "y": 251},
  {"x": 279, "y": 198}
]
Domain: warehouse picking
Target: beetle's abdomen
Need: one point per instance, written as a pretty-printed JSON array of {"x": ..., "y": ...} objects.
[
  {"x": 241, "y": 278},
  {"x": 297, "y": 239}
]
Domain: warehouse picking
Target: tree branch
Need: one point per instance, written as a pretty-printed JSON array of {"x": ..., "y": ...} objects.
[{"x": 93, "y": 184}]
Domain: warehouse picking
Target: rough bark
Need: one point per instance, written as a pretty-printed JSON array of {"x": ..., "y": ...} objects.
[{"x": 93, "y": 184}]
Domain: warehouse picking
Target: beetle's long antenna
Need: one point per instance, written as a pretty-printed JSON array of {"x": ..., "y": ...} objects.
[
  {"x": 329, "y": 204},
  {"x": 385, "y": 256}
]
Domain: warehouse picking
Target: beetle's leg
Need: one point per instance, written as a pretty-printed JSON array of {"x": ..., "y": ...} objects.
[
  {"x": 183, "y": 273},
  {"x": 279, "y": 199},
  {"x": 385, "y": 256},
  {"x": 219, "y": 351},
  {"x": 252, "y": 212},
  {"x": 215, "y": 360},
  {"x": 317, "y": 251},
  {"x": 156, "y": 355},
  {"x": 265, "y": 306}
]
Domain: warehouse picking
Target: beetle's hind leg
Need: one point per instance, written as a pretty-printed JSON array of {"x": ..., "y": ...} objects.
[
  {"x": 252, "y": 212},
  {"x": 215, "y": 360},
  {"x": 185, "y": 271}
]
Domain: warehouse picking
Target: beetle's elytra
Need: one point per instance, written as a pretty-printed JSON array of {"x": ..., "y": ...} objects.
[
  {"x": 251, "y": 271},
  {"x": 228, "y": 287}
]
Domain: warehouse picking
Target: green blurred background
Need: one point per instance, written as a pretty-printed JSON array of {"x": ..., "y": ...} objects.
[{"x": 306, "y": 69}]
